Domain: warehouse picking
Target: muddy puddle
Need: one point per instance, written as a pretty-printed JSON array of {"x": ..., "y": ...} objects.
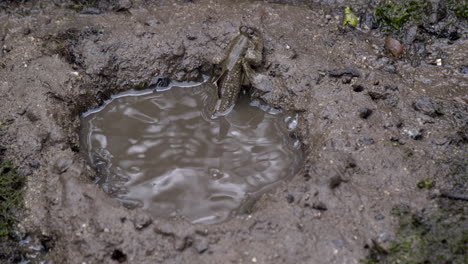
[{"x": 159, "y": 150}]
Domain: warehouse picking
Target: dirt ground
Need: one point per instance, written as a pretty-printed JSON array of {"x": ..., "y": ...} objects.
[{"x": 372, "y": 126}]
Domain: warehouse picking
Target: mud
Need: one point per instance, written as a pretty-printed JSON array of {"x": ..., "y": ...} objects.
[
  {"x": 57, "y": 63},
  {"x": 161, "y": 150}
]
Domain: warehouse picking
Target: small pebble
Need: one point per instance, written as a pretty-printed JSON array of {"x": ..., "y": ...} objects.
[
  {"x": 34, "y": 164},
  {"x": 319, "y": 206},
  {"x": 62, "y": 164},
  {"x": 364, "y": 112},
  {"x": 346, "y": 79},
  {"x": 201, "y": 245},
  {"x": 427, "y": 106},
  {"x": 26, "y": 31},
  {"x": 394, "y": 46},
  {"x": 379, "y": 217},
  {"x": 414, "y": 133},
  {"x": 335, "y": 182},
  {"x": 463, "y": 69},
  {"x": 383, "y": 237},
  {"x": 367, "y": 141},
  {"x": 24, "y": 171}
]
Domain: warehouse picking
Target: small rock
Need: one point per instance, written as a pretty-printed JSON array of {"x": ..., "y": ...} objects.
[
  {"x": 435, "y": 193},
  {"x": 61, "y": 165},
  {"x": 141, "y": 221},
  {"x": 24, "y": 171},
  {"x": 367, "y": 141},
  {"x": 346, "y": 79},
  {"x": 262, "y": 82},
  {"x": 394, "y": 46},
  {"x": 384, "y": 237},
  {"x": 427, "y": 106},
  {"x": 392, "y": 88},
  {"x": 180, "y": 50},
  {"x": 201, "y": 244},
  {"x": 34, "y": 164},
  {"x": 414, "y": 133},
  {"x": 160, "y": 82},
  {"x": 463, "y": 69},
  {"x": 390, "y": 69},
  {"x": 379, "y": 217},
  {"x": 411, "y": 35},
  {"x": 335, "y": 182},
  {"x": 376, "y": 95},
  {"x": 90, "y": 11},
  {"x": 337, "y": 73},
  {"x": 364, "y": 112},
  {"x": 31, "y": 116},
  {"x": 319, "y": 206},
  {"x": 292, "y": 54},
  {"x": 191, "y": 36},
  {"x": 123, "y": 5},
  {"x": 181, "y": 244}
]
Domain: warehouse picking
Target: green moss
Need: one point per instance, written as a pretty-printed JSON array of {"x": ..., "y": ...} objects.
[
  {"x": 426, "y": 184},
  {"x": 11, "y": 197},
  {"x": 349, "y": 18},
  {"x": 437, "y": 237},
  {"x": 141, "y": 86},
  {"x": 393, "y": 15},
  {"x": 458, "y": 7}
]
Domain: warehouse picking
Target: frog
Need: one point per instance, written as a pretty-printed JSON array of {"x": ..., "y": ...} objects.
[{"x": 234, "y": 69}]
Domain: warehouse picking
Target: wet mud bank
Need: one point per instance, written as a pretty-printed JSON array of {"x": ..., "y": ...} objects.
[{"x": 377, "y": 131}]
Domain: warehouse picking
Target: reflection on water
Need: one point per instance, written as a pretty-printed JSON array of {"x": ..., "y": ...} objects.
[{"x": 159, "y": 150}]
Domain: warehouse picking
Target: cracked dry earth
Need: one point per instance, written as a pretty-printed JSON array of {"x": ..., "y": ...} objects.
[{"x": 369, "y": 135}]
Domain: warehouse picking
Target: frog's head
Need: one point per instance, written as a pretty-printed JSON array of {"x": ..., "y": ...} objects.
[{"x": 251, "y": 33}]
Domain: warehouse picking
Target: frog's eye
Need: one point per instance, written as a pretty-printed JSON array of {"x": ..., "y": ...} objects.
[
  {"x": 250, "y": 32},
  {"x": 243, "y": 29}
]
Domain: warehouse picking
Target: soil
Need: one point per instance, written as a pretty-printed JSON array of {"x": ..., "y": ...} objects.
[{"x": 372, "y": 126}]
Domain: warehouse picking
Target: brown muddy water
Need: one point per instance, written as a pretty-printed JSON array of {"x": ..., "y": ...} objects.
[{"x": 159, "y": 150}]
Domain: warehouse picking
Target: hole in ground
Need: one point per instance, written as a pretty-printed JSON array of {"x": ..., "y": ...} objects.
[
  {"x": 160, "y": 150},
  {"x": 118, "y": 256}
]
